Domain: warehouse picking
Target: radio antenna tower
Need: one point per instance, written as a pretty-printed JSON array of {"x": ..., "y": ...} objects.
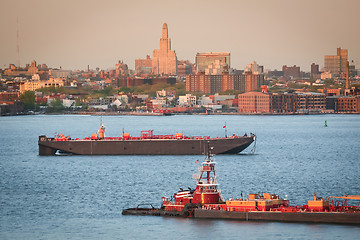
[{"x": 18, "y": 44}]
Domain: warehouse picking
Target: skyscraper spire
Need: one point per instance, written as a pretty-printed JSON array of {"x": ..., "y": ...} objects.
[{"x": 165, "y": 31}]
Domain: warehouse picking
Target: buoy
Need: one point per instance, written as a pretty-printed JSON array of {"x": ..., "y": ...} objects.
[{"x": 325, "y": 124}]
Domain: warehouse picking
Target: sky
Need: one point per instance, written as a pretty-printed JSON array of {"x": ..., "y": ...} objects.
[{"x": 73, "y": 34}]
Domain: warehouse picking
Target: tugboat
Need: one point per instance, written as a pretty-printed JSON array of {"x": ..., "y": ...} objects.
[
  {"x": 184, "y": 202},
  {"x": 206, "y": 201},
  {"x": 206, "y": 191}
]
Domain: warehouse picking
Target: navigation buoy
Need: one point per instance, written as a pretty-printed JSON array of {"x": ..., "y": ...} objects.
[{"x": 325, "y": 125}]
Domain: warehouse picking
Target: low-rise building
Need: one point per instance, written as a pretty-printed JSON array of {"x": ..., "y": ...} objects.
[
  {"x": 311, "y": 102},
  {"x": 32, "y": 85},
  {"x": 349, "y": 104},
  {"x": 187, "y": 100},
  {"x": 254, "y": 102}
]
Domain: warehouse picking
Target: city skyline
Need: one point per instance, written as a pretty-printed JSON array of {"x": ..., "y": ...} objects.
[{"x": 273, "y": 33}]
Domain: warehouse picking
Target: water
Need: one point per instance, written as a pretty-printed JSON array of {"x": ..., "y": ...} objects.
[{"x": 81, "y": 197}]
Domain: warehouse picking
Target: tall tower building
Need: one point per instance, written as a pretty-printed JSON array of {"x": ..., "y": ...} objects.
[
  {"x": 336, "y": 64},
  {"x": 343, "y": 53},
  {"x": 164, "y": 61}
]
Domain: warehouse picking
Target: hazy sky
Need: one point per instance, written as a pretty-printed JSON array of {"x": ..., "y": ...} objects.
[{"x": 75, "y": 33}]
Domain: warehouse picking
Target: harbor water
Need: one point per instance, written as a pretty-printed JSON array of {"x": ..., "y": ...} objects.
[{"x": 82, "y": 197}]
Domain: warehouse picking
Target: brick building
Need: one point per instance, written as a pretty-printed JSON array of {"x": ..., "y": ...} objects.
[
  {"x": 291, "y": 72},
  {"x": 336, "y": 64},
  {"x": 255, "y": 102},
  {"x": 143, "y": 66},
  {"x": 211, "y": 84},
  {"x": 349, "y": 104},
  {"x": 311, "y": 101}
]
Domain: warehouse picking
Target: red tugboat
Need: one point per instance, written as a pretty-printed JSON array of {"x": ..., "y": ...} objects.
[
  {"x": 206, "y": 201},
  {"x": 205, "y": 193}
]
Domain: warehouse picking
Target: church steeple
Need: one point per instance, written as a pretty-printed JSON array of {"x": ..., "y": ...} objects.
[{"x": 165, "y": 31}]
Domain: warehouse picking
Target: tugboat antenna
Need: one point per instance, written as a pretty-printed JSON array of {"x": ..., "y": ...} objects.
[{"x": 209, "y": 150}]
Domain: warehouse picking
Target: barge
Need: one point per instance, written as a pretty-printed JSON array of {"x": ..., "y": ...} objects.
[
  {"x": 147, "y": 144},
  {"x": 206, "y": 201}
]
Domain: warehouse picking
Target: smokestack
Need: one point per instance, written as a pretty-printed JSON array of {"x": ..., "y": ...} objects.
[{"x": 347, "y": 75}]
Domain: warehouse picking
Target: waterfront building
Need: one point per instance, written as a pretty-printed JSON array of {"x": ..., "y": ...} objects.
[
  {"x": 9, "y": 96},
  {"x": 206, "y": 59},
  {"x": 204, "y": 101},
  {"x": 315, "y": 102},
  {"x": 188, "y": 100},
  {"x": 254, "y": 102},
  {"x": 164, "y": 61},
  {"x": 283, "y": 102},
  {"x": 349, "y": 104},
  {"x": 332, "y": 103},
  {"x": 11, "y": 107},
  {"x": 218, "y": 98},
  {"x": 336, "y": 64}
]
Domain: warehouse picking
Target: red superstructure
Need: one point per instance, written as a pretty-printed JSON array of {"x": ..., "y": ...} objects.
[{"x": 206, "y": 191}]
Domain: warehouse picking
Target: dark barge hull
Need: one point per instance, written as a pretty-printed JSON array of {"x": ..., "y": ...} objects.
[
  {"x": 47, "y": 146},
  {"x": 304, "y": 217},
  {"x": 294, "y": 217}
]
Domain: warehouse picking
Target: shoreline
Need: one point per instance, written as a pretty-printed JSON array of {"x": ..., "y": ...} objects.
[{"x": 172, "y": 114}]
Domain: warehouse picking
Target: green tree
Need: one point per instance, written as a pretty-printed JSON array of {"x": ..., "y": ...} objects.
[
  {"x": 56, "y": 106},
  {"x": 107, "y": 91},
  {"x": 28, "y": 98}
]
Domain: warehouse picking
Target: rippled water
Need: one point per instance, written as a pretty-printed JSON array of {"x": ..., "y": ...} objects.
[{"x": 81, "y": 197}]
